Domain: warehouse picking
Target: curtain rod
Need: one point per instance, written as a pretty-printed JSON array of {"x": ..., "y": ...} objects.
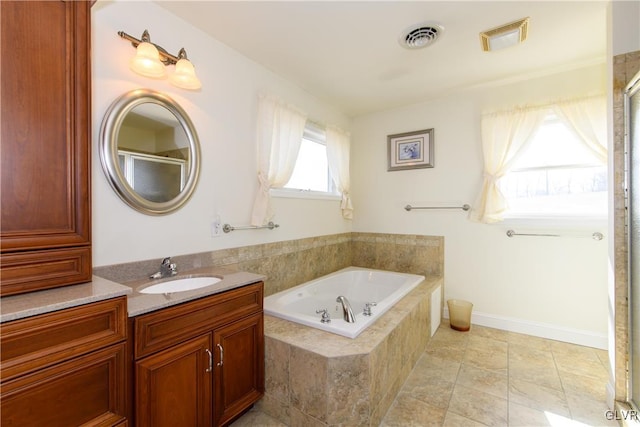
[{"x": 545, "y": 105}]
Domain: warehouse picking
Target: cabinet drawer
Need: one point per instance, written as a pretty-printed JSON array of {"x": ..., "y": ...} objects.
[
  {"x": 39, "y": 341},
  {"x": 164, "y": 328},
  {"x": 33, "y": 271},
  {"x": 88, "y": 390}
]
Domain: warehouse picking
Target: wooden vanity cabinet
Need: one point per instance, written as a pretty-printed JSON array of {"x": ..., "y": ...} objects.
[
  {"x": 174, "y": 386},
  {"x": 45, "y": 221},
  {"x": 200, "y": 363},
  {"x": 66, "y": 368},
  {"x": 239, "y": 374}
]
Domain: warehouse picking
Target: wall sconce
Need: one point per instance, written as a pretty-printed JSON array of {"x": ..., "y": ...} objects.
[{"x": 151, "y": 59}]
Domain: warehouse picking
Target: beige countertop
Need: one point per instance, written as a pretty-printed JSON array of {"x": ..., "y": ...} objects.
[
  {"x": 33, "y": 303},
  {"x": 139, "y": 303},
  {"x": 40, "y": 302}
]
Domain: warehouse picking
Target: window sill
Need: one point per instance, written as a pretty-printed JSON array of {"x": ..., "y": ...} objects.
[{"x": 303, "y": 194}]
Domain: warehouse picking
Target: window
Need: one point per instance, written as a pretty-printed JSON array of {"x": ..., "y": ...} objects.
[
  {"x": 556, "y": 175},
  {"x": 311, "y": 176}
]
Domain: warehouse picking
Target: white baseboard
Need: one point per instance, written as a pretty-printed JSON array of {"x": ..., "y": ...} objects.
[{"x": 538, "y": 329}]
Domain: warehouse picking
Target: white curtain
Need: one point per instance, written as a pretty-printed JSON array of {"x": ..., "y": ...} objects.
[
  {"x": 504, "y": 135},
  {"x": 586, "y": 118},
  {"x": 338, "y": 148},
  {"x": 279, "y": 134}
]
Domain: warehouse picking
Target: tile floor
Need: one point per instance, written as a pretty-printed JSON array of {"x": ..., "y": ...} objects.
[{"x": 488, "y": 377}]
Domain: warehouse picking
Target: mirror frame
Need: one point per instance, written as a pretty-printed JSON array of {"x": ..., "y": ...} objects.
[{"x": 108, "y": 149}]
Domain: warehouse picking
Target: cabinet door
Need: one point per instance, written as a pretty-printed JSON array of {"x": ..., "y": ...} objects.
[
  {"x": 173, "y": 387},
  {"x": 239, "y": 373},
  {"x": 45, "y": 151},
  {"x": 87, "y": 390}
]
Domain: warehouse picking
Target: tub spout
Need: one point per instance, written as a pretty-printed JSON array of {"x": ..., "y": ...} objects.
[{"x": 346, "y": 309}]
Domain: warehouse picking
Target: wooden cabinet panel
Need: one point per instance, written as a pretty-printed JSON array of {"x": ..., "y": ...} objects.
[
  {"x": 83, "y": 390},
  {"x": 164, "y": 328},
  {"x": 239, "y": 373},
  {"x": 173, "y": 387},
  {"x": 39, "y": 341},
  {"x": 45, "y": 137},
  {"x": 173, "y": 347},
  {"x": 30, "y": 271}
]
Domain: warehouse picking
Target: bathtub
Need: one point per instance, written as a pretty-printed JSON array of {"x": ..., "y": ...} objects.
[{"x": 359, "y": 285}]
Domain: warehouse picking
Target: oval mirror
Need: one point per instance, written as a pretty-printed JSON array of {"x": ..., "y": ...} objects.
[{"x": 149, "y": 151}]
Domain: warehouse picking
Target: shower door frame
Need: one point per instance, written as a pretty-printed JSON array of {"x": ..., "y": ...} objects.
[{"x": 632, "y": 89}]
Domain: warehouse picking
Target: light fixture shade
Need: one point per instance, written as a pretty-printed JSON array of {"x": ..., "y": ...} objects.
[
  {"x": 506, "y": 35},
  {"x": 147, "y": 62},
  {"x": 185, "y": 76}
]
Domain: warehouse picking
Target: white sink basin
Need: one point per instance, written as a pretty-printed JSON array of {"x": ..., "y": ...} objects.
[{"x": 180, "y": 285}]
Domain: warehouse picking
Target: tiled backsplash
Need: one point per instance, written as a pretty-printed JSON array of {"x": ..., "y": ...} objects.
[{"x": 292, "y": 262}]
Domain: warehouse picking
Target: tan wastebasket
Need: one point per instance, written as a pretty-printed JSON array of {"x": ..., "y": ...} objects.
[{"x": 459, "y": 314}]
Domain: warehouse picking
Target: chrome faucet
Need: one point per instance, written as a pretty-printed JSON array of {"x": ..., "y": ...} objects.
[
  {"x": 167, "y": 268},
  {"x": 347, "y": 312}
]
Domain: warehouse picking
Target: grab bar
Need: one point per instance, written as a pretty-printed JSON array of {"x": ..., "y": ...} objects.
[
  {"x": 229, "y": 228},
  {"x": 510, "y": 233},
  {"x": 464, "y": 207}
]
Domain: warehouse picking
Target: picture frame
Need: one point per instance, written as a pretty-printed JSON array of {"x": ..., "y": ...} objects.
[{"x": 410, "y": 150}]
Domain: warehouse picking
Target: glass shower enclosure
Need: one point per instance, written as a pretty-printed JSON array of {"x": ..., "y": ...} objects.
[{"x": 632, "y": 187}]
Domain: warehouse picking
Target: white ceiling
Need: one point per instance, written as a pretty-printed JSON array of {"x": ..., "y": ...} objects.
[{"x": 347, "y": 53}]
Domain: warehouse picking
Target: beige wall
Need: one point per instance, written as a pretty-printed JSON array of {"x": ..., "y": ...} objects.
[
  {"x": 223, "y": 112},
  {"x": 553, "y": 287}
]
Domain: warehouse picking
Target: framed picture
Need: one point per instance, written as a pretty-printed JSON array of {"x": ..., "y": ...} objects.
[{"x": 410, "y": 150}]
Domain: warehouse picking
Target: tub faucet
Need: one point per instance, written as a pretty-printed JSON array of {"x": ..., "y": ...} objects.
[
  {"x": 346, "y": 309},
  {"x": 167, "y": 268}
]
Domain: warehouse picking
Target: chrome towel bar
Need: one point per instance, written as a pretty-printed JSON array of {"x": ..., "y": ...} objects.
[
  {"x": 464, "y": 207},
  {"x": 229, "y": 228},
  {"x": 595, "y": 236}
]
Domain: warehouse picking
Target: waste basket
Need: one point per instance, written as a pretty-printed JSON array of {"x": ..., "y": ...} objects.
[{"x": 459, "y": 314}]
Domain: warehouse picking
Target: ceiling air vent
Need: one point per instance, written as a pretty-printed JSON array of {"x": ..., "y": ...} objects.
[{"x": 421, "y": 35}]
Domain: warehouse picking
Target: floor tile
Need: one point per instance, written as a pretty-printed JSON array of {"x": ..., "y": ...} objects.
[
  {"x": 587, "y": 363},
  {"x": 522, "y": 356},
  {"x": 447, "y": 351},
  {"x": 433, "y": 391},
  {"x": 454, "y": 420},
  {"x": 257, "y": 418},
  {"x": 496, "y": 334},
  {"x": 585, "y": 386},
  {"x": 529, "y": 341},
  {"x": 547, "y": 377},
  {"x": 495, "y": 383},
  {"x": 488, "y": 377},
  {"x": 589, "y": 411},
  {"x": 523, "y": 416},
  {"x": 479, "y": 406},
  {"x": 486, "y": 359},
  {"x": 430, "y": 366},
  {"x": 538, "y": 397},
  {"x": 409, "y": 412}
]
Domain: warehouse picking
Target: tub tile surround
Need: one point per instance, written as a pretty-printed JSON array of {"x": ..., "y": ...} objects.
[
  {"x": 318, "y": 378},
  {"x": 292, "y": 262}
]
